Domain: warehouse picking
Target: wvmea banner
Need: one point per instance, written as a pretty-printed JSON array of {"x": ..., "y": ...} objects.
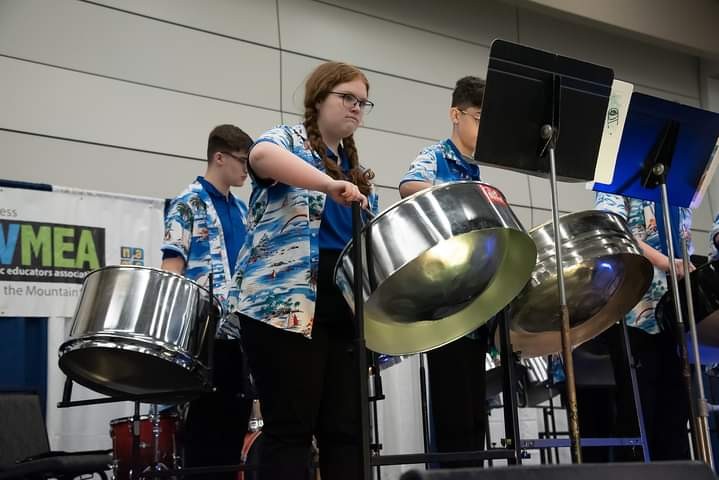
[{"x": 49, "y": 241}]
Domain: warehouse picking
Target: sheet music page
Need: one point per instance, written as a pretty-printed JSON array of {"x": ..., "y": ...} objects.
[{"x": 617, "y": 109}]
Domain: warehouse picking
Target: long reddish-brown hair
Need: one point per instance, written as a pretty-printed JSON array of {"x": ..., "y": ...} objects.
[{"x": 317, "y": 87}]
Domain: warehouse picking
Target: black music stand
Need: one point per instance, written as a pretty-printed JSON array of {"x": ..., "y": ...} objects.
[
  {"x": 538, "y": 105},
  {"x": 657, "y": 135}
]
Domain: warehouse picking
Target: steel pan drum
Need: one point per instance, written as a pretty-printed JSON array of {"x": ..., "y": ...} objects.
[
  {"x": 705, "y": 299},
  {"x": 605, "y": 275},
  {"x": 140, "y": 331},
  {"x": 437, "y": 265}
]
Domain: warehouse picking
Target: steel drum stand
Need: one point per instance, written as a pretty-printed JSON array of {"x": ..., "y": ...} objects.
[
  {"x": 554, "y": 442},
  {"x": 66, "y": 402},
  {"x": 154, "y": 399},
  {"x": 367, "y": 460}
]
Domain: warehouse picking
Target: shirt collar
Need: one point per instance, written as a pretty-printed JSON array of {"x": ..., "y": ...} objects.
[
  {"x": 342, "y": 155},
  {"x": 212, "y": 190},
  {"x": 452, "y": 153}
]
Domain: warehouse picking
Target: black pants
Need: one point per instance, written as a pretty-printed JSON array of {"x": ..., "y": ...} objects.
[
  {"x": 308, "y": 387},
  {"x": 217, "y": 422},
  {"x": 663, "y": 396},
  {"x": 457, "y": 385}
]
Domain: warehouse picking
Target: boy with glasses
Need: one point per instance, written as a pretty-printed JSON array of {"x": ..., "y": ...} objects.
[
  {"x": 457, "y": 379},
  {"x": 204, "y": 231}
]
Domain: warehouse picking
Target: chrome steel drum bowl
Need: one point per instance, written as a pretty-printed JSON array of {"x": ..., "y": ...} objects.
[
  {"x": 437, "y": 265},
  {"x": 141, "y": 331},
  {"x": 605, "y": 275}
]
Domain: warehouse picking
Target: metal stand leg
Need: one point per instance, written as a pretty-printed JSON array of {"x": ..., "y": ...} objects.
[
  {"x": 509, "y": 390},
  {"x": 376, "y": 394},
  {"x": 699, "y": 438},
  {"x": 488, "y": 436},
  {"x": 702, "y": 422},
  {"x": 424, "y": 392},
  {"x": 135, "y": 462},
  {"x": 635, "y": 391},
  {"x": 360, "y": 343}
]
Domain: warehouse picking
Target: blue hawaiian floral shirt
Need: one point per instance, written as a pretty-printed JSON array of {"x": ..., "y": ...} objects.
[
  {"x": 194, "y": 231},
  {"x": 441, "y": 163},
  {"x": 278, "y": 265},
  {"x": 640, "y": 218}
]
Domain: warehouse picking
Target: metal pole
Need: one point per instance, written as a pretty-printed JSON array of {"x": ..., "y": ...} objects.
[
  {"x": 509, "y": 389},
  {"x": 658, "y": 170},
  {"x": 704, "y": 442},
  {"x": 572, "y": 409},
  {"x": 360, "y": 342},
  {"x": 646, "y": 454},
  {"x": 424, "y": 392}
]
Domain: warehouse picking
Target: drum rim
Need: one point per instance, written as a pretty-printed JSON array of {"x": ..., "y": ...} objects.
[
  {"x": 156, "y": 270},
  {"x": 571, "y": 215},
  {"x": 380, "y": 216},
  {"x": 193, "y": 366},
  {"x": 151, "y": 347}
]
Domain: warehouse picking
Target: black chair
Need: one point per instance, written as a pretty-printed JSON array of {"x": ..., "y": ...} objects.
[{"x": 25, "y": 449}]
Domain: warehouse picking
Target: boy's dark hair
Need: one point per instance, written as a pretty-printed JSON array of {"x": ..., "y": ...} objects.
[
  {"x": 227, "y": 138},
  {"x": 468, "y": 92}
]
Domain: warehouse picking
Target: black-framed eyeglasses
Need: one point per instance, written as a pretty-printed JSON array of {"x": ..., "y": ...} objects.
[
  {"x": 475, "y": 116},
  {"x": 350, "y": 101},
  {"x": 242, "y": 160}
]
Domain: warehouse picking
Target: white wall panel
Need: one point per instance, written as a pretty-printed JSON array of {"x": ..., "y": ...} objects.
[
  {"x": 57, "y": 102},
  {"x": 32, "y": 158},
  {"x": 254, "y": 20},
  {"x": 470, "y": 20},
  {"x": 573, "y": 197},
  {"x": 631, "y": 60},
  {"x": 142, "y": 50},
  {"x": 333, "y": 33},
  {"x": 513, "y": 185}
]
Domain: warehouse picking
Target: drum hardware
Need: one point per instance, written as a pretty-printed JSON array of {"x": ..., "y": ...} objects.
[
  {"x": 255, "y": 423},
  {"x": 152, "y": 447}
]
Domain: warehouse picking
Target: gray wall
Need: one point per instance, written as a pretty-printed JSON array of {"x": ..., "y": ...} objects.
[{"x": 119, "y": 95}]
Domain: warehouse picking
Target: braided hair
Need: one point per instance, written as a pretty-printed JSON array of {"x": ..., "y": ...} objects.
[{"x": 318, "y": 86}]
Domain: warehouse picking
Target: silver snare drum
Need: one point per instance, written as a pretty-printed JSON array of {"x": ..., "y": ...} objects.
[{"x": 141, "y": 331}]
